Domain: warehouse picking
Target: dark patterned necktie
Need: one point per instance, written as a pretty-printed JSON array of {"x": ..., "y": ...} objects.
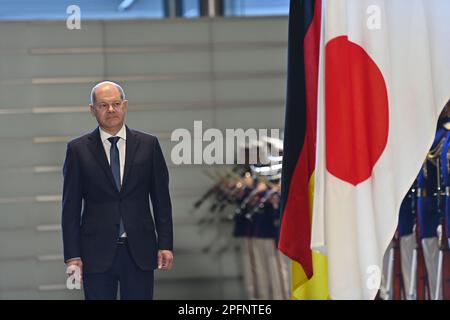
[{"x": 115, "y": 168}]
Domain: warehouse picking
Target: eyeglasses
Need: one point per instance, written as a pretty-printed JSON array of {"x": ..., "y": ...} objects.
[{"x": 105, "y": 106}]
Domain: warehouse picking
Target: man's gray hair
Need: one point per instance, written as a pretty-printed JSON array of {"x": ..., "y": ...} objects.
[{"x": 94, "y": 98}]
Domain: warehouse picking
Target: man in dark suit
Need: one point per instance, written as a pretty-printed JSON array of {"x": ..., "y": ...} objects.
[{"x": 108, "y": 230}]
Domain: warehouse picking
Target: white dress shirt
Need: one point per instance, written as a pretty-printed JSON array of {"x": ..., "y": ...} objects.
[{"x": 121, "y": 145}]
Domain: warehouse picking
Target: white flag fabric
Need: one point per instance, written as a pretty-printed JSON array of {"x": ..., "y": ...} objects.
[{"x": 384, "y": 78}]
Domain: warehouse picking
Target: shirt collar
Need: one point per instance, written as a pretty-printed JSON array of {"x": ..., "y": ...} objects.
[{"x": 105, "y": 135}]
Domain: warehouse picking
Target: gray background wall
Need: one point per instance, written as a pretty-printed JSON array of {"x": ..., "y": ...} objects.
[{"x": 227, "y": 72}]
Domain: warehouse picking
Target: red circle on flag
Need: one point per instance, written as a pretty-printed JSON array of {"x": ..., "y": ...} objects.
[{"x": 356, "y": 111}]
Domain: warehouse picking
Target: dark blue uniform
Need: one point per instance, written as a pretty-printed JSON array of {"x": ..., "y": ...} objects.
[
  {"x": 264, "y": 221},
  {"x": 243, "y": 227},
  {"x": 428, "y": 216},
  {"x": 445, "y": 169},
  {"x": 407, "y": 216}
]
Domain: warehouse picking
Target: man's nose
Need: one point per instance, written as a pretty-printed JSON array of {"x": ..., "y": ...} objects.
[{"x": 111, "y": 108}]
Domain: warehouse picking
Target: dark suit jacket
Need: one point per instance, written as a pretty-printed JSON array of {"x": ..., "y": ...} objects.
[{"x": 89, "y": 189}]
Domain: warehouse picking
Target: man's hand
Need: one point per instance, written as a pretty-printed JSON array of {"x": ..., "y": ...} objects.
[
  {"x": 72, "y": 266},
  {"x": 165, "y": 260}
]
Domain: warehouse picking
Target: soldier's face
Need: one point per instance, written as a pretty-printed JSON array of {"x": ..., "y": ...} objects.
[{"x": 109, "y": 108}]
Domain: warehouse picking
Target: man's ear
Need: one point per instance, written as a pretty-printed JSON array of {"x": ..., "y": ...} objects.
[
  {"x": 125, "y": 105},
  {"x": 91, "y": 109}
]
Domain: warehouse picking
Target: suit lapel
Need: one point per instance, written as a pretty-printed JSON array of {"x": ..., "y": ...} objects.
[
  {"x": 96, "y": 147},
  {"x": 132, "y": 143}
]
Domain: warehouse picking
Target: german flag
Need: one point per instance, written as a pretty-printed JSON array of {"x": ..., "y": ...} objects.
[{"x": 309, "y": 269}]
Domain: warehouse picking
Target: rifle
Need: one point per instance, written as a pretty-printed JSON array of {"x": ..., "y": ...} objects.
[
  {"x": 419, "y": 276},
  {"x": 398, "y": 285},
  {"x": 394, "y": 281},
  {"x": 443, "y": 275}
]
